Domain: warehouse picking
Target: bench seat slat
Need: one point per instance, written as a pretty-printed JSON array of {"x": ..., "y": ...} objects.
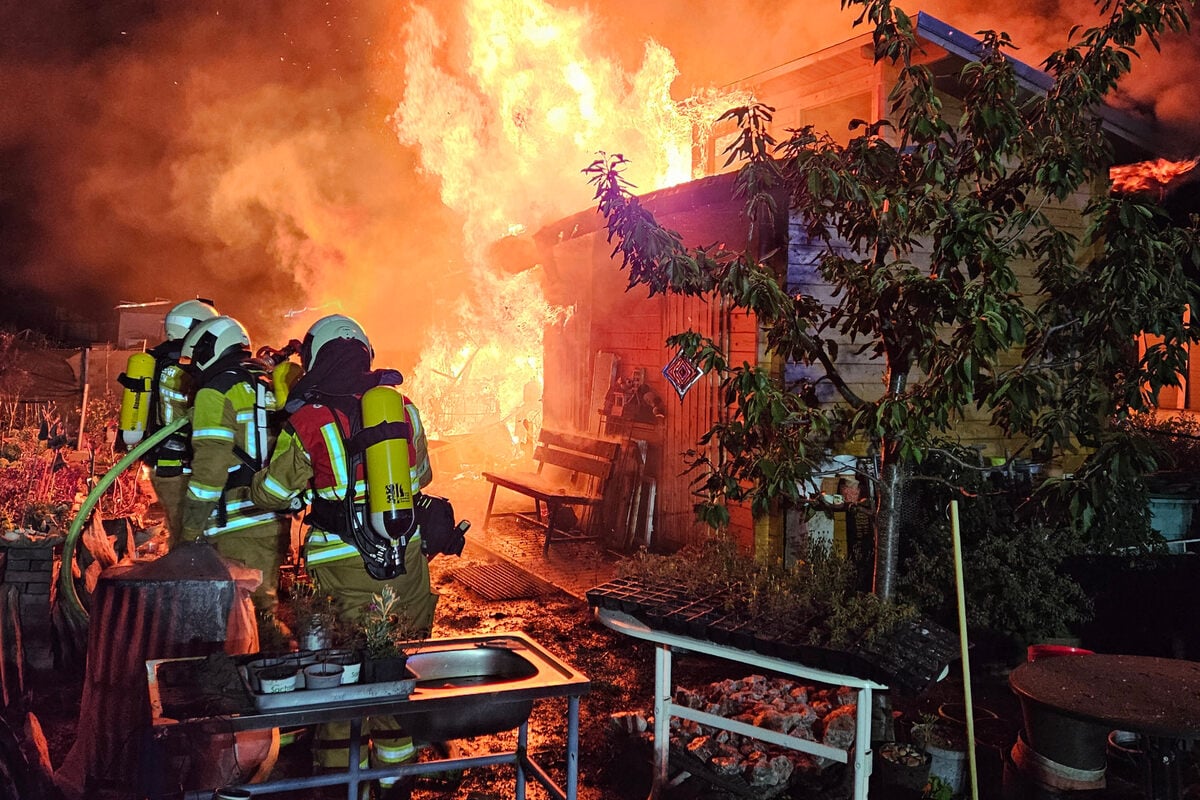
[
  {"x": 601, "y": 448},
  {"x": 581, "y": 467},
  {"x": 540, "y": 487},
  {"x": 575, "y": 462}
]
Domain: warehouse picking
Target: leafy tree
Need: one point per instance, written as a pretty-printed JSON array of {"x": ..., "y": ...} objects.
[{"x": 922, "y": 220}]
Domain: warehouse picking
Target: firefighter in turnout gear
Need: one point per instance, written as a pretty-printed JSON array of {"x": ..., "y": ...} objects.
[
  {"x": 231, "y": 437},
  {"x": 169, "y": 399},
  {"x": 318, "y": 459}
]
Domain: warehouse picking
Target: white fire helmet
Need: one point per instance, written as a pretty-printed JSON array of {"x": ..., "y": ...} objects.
[
  {"x": 325, "y": 330},
  {"x": 212, "y": 339},
  {"x": 183, "y": 317}
]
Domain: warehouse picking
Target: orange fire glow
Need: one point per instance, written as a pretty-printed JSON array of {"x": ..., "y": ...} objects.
[
  {"x": 1149, "y": 176},
  {"x": 507, "y": 130}
]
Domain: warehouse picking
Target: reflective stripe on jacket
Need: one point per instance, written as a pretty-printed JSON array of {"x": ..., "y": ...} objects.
[
  {"x": 310, "y": 457},
  {"x": 222, "y": 419}
]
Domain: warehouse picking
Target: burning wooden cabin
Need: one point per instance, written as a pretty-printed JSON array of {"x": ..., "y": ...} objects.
[{"x": 607, "y": 367}]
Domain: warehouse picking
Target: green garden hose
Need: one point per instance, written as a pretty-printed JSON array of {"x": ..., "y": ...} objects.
[{"x": 76, "y": 614}]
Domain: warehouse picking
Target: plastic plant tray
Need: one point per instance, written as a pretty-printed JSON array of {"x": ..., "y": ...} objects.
[{"x": 345, "y": 693}]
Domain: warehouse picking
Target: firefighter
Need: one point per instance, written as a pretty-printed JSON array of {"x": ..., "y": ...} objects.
[
  {"x": 169, "y": 399},
  {"x": 230, "y": 439},
  {"x": 316, "y": 460}
]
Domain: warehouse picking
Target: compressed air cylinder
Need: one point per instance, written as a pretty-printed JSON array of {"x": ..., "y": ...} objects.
[
  {"x": 135, "y": 400},
  {"x": 389, "y": 480},
  {"x": 283, "y": 378}
]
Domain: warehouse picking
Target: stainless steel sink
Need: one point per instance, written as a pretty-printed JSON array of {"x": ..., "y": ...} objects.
[
  {"x": 494, "y": 681},
  {"x": 482, "y": 664}
]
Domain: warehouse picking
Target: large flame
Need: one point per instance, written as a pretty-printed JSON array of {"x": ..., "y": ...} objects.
[
  {"x": 507, "y": 133},
  {"x": 1149, "y": 176}
]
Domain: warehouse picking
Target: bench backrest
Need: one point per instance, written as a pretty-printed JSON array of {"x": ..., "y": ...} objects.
[{"x": 575, "y": 453}]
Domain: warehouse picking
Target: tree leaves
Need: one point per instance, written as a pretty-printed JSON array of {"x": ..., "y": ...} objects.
[{"x": 924, "y": 225}]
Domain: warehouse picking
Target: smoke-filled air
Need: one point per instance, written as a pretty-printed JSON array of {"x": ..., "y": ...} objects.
[{"x": 388, "y": 160}]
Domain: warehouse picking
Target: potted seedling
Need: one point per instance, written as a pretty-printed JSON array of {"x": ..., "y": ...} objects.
[
  {"x": 946, "y": 744},
  {"x": 383, "y": 628}
]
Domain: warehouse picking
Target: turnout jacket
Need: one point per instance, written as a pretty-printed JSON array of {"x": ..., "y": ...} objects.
[
  {"x": 174, "y": 388},
  {"x": 230, "y": 439},
  {"x": 310, "y": 463}
]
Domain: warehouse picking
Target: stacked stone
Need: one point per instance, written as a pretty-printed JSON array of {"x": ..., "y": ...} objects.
[
  {"x": 30, "y": 571},
  {"x": 777, "y": 704}
]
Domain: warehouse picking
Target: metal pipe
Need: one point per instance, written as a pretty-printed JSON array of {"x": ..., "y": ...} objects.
[{"x": 572, "y": 746}]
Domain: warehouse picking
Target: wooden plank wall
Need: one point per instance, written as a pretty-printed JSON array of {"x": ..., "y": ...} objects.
[{"x": 865, "y": 374}]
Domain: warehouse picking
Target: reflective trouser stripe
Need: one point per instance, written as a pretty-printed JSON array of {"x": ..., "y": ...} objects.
[
  {"x": 389, "y": 748},
  {"x": 389, "y": 745}
]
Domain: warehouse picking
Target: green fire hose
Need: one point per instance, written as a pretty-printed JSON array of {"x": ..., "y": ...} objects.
[{"x": 76, "y": 614}]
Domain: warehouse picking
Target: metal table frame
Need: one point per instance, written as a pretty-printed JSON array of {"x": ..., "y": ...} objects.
[
  {"x": 572, "y": 686},
  {"x": 665, "y": 708}
]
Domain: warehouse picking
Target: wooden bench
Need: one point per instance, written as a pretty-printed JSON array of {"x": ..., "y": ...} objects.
[{"x": 572, "y": 471}]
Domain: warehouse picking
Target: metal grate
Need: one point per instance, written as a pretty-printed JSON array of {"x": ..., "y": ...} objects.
[{"x": 500, "y": 581}]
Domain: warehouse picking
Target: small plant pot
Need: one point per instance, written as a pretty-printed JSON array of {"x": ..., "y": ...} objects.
[
  {"x": 946, "y": 745},
  {"x": 256, "y": 666},
  {"x": 901, "y": 765},
  {"x": 278, "y": 678},
  {"x": 302, "y": 658},
  {"x": 380, "y": 670},
  {"x": 350, "y": 662},
  {"x": 323, "y": 675},
  {"x": 957, "y": 713}
]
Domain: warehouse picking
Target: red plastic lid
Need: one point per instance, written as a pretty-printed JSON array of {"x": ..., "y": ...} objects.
[{"x": 1037, "y": 651}]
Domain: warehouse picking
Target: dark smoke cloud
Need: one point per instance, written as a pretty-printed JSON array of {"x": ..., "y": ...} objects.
[
  {"x": 222, "y": 149},
  {"x": 242, "y": 150},
  {"x": 718, "y": 43}
]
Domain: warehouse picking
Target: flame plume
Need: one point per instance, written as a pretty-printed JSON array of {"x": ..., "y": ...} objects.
[
  {"x": 1150, "y": 176},
  {"x": 506, "y": 110}
]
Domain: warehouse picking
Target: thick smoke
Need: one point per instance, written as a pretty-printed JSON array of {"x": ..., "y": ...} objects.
[
  {"x": 232, "y": 150},
  {"x": 246, "y": 151}
]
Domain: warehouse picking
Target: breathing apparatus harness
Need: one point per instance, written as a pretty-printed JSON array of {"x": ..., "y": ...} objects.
[
  {"x": 223, "y": 375},
  {"x": 382, "y": 551},
  {"x": 381, "y": 538}
]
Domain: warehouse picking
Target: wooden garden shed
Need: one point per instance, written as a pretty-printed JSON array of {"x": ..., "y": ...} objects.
[{"x": 615, "y": 341}]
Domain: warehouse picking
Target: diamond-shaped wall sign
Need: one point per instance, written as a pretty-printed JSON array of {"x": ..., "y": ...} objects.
[{"x": 682, "y": 374}]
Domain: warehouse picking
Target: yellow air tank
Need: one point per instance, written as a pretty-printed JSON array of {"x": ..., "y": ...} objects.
[
  {"x": 389, "y": 480},
  {"x": 283, "y": 378},
  {"x": 138, "y": 380}
]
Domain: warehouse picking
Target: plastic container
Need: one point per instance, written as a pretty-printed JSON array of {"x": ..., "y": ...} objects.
[
  {"x": 1038, "y": 651},
  {"x": 323, "y": 675},
  {"x": 278, "y": 678},
  {"x": 256, "y": 666},
  {"x": 350, "y": 662}
]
